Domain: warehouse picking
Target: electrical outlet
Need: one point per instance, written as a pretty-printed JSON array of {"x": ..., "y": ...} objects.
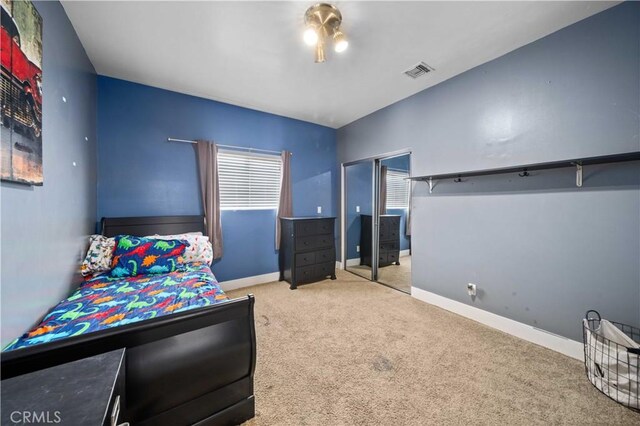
[
  {"x": 319, "y": 209},
  {"x": 471, "y": 289},
  {"x": 357, "y": 209},
  {"x": 357, "y": 249}
]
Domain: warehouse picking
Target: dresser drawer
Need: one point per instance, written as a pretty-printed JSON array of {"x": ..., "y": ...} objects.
[
  {"x": 324, "y": 269},
  {"x": 389, "y": 246},
  {"x": 306, "y": 227},
  {"x": 385, "y": 231},
  {"x": 304, "y": 259},
  {"x": 388, "y": 233},
  {"x": 314, "y": 242},
  {"x": 306, "y": 274},
  {"x": 392, "y": 256},
  {"x": 393, "y": 232},
  {"x": 325, "y": 227},
  {"x": 326, "y": 256},
  {"x": 313, "y": 227}
]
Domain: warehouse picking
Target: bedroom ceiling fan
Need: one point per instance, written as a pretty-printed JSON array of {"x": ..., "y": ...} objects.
[{"x": 323, "y": 22}]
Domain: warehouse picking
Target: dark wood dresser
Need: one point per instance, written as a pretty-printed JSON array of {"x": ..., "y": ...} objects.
[
  {"x": 89, "y": 391},
  {"x": 389, "y": 240},
  {"x": 307, "y": 249}
]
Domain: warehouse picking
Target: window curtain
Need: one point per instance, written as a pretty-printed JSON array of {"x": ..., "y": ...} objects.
[
  {"x": 285, "y": 206},
  {"x": 383, "y": 190},
  {"x": 207, "y": 153}
]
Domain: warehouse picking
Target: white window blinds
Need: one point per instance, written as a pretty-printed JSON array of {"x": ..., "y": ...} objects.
[
  {"x": 249, "y": 181},
  {"x": 397, "y": 189}
]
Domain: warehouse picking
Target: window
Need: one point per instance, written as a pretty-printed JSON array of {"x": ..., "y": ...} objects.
[
  {"x": 249, "y": 181},
  {"x": 397, "y": 189}
]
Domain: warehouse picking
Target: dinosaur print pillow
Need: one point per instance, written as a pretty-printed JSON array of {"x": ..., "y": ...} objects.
[
  {"x": 146, "y": 256},
  {"x": 99, "y": 255}
]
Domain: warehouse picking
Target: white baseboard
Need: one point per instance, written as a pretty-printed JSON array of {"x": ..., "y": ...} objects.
[
  {"x": 526, "y": 332},
  {"x": 405, "y": 253},
  {"x": 249, "y": 281},
  {"x": 353, "y": 262}
]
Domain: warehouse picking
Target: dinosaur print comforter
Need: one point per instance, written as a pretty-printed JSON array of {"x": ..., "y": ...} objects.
[{"x": 105, "y": 302}]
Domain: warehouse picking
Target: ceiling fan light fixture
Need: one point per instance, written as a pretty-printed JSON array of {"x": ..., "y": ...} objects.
[
  {"x": 310, "y": 36},
  {"x": 340, "y": 42},
  {"x": 320, "y": 52},
  {"x": 322, "y": 22}
]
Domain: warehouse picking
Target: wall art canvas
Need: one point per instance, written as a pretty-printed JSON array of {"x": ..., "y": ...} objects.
[{"x": 21, "y": 96}]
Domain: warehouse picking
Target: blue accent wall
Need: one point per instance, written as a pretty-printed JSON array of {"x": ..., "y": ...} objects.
[
  {"x": 45, "y": 228},
  {"x": 540, "y": 250},
  {"x": 140, "y": 173}
]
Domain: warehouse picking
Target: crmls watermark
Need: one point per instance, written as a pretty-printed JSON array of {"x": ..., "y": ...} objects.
[{"x": 35, "y": 417}]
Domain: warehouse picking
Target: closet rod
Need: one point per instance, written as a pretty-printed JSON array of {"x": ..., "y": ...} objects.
[{"x": 242, "y": 148}]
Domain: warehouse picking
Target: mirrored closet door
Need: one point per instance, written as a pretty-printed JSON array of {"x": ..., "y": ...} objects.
[
  {"x": 394, "y": 223},
  {"x": 358, "y": 211},
  {"x": 377, "y": 220}
]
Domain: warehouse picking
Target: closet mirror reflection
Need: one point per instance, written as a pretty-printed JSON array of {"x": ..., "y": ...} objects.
[
  {"x": 378, "y": 220},
  {"x": 394, "y": 226},
  {"x": 359, "y": 205}
]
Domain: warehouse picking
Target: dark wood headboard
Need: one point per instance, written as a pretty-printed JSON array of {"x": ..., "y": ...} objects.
[{"x": 149, "y": 225}]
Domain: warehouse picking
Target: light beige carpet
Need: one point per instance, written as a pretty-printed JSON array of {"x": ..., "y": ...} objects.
[{"x": 352, "y": 352}]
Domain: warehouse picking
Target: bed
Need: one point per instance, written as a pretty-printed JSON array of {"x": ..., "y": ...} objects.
[{"x": 190, "y": 351}]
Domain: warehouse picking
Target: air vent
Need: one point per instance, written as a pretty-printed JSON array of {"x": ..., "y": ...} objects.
[{"x": 419, "y": 70}]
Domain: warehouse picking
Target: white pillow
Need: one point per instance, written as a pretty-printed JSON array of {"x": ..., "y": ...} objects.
[
  {"x": 199, "y": 250},
  {"x": 173, "y": 236}
]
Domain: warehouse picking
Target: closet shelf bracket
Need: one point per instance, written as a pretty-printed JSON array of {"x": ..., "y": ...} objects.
[
  {"x": 525, "y": 169},
  {"x": 578, "y": 174}
]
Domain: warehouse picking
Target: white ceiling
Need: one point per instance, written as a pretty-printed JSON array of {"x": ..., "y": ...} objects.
[{"x": 252, "y": 54}]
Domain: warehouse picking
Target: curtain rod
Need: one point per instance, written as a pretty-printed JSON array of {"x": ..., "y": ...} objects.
[{"x": 244, "y": 148}]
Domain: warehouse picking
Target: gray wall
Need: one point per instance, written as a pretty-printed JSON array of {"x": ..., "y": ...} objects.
[
  {"x": 540, "y": 250},
  {"x": 44, "y": 228}
]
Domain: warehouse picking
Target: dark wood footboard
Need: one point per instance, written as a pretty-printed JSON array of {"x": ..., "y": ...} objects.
[{"x": 186, "y": 368}]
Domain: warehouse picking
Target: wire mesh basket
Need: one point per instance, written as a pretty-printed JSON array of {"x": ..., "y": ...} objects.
[{"x": 612, "y": 358}]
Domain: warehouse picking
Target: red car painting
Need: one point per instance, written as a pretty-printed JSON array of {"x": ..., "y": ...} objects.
[
  {"x": 21, "y": 92},
  {"x": 22, "y": 76}
]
